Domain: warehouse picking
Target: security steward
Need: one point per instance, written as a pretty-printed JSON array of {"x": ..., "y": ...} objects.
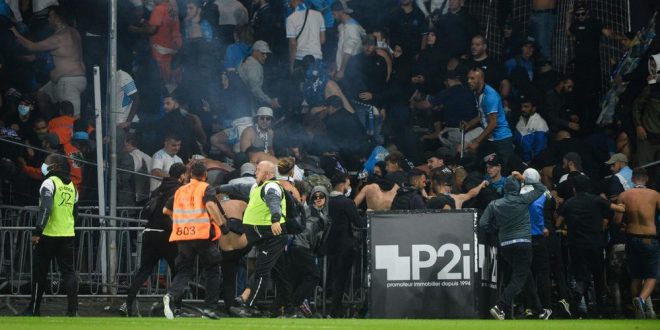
[
  {"x": 264, "y": 228},
  {"x": 196, "y": 222},
  {"x": 54, "y": 234}
]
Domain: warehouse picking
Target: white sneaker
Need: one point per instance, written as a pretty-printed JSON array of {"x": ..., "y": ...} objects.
[{"x": 167, "y": 310}]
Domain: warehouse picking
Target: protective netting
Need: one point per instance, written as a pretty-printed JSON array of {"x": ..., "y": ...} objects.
[{"x": 614, "y": 14}]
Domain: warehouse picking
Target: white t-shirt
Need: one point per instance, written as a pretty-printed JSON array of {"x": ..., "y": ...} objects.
[
  {"x": 162, "y": 161},
  {"x": 350, "y": 39},
  {"x": 309, "y": 42},
  {"x": 138, "y": 157},
  {"x": 126, "y": 88}
]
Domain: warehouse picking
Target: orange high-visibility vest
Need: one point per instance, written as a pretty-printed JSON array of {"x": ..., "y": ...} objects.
[{"x": 190, "y": 220}]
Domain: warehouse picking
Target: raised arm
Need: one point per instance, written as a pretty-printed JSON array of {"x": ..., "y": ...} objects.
[
  {"x": 48, "y": 44},
  {"x": 462, "y": 198}
]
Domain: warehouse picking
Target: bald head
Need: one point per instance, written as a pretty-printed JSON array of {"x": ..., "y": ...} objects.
[{"x": 265, "y": 170}]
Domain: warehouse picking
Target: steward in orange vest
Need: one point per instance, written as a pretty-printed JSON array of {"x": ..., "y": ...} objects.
[
  {"x": 190, "y": 218},
  {"x": 196, "y": 223}
]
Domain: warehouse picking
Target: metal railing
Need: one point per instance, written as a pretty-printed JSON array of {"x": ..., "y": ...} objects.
[{"x": 16, "y": 255}]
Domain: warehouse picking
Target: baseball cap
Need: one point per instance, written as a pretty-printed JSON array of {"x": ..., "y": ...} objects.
[
  {"x": 493, "y": 160},
  {"x": 529, "y": 41},
  {"x": 248, "y": 168},
  {"x": 339, "y": 6},
  {"x": 261, "y": 46},
  {"x": 575, "y": 158},
  {"x": 265, "y": 111},
  {"x": 434, "y": 154},
  {"x": 617, "y": 158},
  {"x": 527, "y": 99}
]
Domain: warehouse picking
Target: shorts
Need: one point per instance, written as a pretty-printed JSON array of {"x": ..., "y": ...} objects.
[
  {"x": 642, "y": 257},
  {"x": 234, "y": 132},
  {"x": 66, "y": 89}
]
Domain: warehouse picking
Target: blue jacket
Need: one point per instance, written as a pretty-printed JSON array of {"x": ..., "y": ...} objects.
[
  {"x": 531, "y": 136},
  {"x": 536, "y": 215},
  {"x": 235, "y": 54}
]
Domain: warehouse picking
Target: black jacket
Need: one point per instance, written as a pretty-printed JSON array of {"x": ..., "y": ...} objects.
[
  {"x": 160, "y": 196},
  {"x": 344, "y": 215}
]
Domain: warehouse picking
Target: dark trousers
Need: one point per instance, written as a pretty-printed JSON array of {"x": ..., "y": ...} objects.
[
  {"x": 155, "y": 245},
  {"x": 304, "y": 274},
  {"x": 47, "y": 249},
  {"x": 504, "y": 150},
  {"x": 541, "y": 269},
  {"x": 519, "y": 257},
  {"x": 269, "y": 249},
  {"x": 229, "y": 266},
  {"x": 209, "y": 260},
  {"x": 587, "y": 263},
  {"x": 340, "y": 271},
  {"x": 557, "y": 265}
]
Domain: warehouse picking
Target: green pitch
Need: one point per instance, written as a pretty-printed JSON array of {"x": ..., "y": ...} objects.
[{"x": 57, "y": 323}]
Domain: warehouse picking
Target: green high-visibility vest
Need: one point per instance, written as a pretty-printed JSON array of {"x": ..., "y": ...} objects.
[
  {"x": 257, "y": 212},
  {"x": 61, "y": 221}
]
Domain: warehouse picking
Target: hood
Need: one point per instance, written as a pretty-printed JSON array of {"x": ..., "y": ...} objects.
[
  {"x": 531, "y": 175},
  {"x": 656, "y": 58},
  {"x": 511, "y": 186},
  {"x": 324, "y": 191}
]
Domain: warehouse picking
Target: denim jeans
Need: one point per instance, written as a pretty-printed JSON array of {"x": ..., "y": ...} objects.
[{"x": 543, "y": 27}]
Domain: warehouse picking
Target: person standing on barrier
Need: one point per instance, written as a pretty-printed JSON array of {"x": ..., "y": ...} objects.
[
  {"x": 345, "y": 216},
  {"x": 264, "y": 221},
  {"x": 155, "y": 239},
  {"x": 196, "y": 223},
  {"x": 54, "y": 234},
  {"x": 510, "y": 215}
]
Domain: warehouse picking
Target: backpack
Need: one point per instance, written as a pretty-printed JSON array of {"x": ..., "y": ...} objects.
[
  {"x": 295, "y": 216},
  {"x": 402, "y": 199},
  {"x": 153, "y": 204}
]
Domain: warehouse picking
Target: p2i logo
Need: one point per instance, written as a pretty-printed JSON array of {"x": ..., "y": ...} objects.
[{"x": 401, "y": 268}]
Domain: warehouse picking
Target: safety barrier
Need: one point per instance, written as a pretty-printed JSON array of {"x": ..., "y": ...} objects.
[{"x": 96, "y": 278}]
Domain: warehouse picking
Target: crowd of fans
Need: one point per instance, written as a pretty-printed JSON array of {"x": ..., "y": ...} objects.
[{"x": 403, "y": 95}]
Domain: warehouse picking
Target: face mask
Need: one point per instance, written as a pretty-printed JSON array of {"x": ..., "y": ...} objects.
[
  {"x": 44, "y": 169},
  {"x": 23, "y": 109},
  {"x": 348, "y": 192}
]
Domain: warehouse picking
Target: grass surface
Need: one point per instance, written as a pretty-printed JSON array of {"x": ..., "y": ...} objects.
[{"x": 55, "y": 323}]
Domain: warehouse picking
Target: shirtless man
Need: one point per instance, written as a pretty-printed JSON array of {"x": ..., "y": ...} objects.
[
  {"x": 442, "y": 184},
  {"x": 233, "y": 246},
  {"x": 379, "y": 195},
  {"x": 642, "y": 247},
  {"x": 67, "y": 77}
]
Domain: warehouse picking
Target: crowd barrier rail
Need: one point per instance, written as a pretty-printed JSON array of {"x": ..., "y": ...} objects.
[{"x": 110, "y": 277}]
